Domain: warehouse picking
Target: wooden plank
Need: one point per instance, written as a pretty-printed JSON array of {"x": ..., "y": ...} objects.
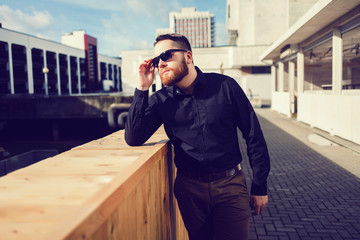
[
  {"x": 100, "y": 190},
  {"x": 101, "y": 205}
]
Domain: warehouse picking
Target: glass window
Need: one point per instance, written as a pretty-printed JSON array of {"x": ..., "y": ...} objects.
[
  {"x": 19, "y": 68},
  {"x": 74, "y": 74},
  {"x": 37, "y": 57},
  {"x": 51, "y": 62},
  {"x": 318, "y": 67},
  {"x": 4, "y": 68},
  {"x": 351, "y": 59}
]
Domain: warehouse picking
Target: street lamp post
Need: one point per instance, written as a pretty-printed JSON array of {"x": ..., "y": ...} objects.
[{"x": 46, "y": 71}]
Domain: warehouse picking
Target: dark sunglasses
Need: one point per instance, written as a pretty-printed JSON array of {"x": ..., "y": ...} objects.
[{"x": 165, "y": 56}]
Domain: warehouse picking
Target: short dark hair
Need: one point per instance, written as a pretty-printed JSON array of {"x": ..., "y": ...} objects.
[{"x": 178, "y": 38}]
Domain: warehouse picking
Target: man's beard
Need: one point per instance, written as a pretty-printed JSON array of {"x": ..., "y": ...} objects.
[{"x": 177, "y": 76}]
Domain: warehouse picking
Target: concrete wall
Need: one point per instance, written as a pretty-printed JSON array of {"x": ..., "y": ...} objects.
[
  {"x": 130, "y": 65},
  {"x": 74, "y": 39},
  {"x": 263, "y": 21},
  {"x": 270, "y": 20},
  {"x": 260, "y": 85},
  {"x": 297, "y": 8},
  {"x": 341, "y": 119},
  {"x": 280, "y": 102}
]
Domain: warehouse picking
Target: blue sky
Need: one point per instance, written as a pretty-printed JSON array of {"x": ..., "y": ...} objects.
[{"x": 117, "y": 24}]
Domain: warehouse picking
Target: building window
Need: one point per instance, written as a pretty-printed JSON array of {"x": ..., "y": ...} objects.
[
  {"x": 64, "y": 78},
  {"x": 52, "y": 74},
  {"x": 83, "y": 75},
  {"x": 4, "y": 68},
  {"x": 318, "y": 67},
  {"x": 103, "y": 71},
  {"x": 120, "y": 83},
  {"x": 116, "y": 78},
  {"x": 261, "y": 70},
  {"x": 351, "y": 59},
  {"x": 110, "y": 72},
  {"x": 37, "y": 57},
  {"x": 74, "y": 74},
  {"x": 19, "y": 68}
]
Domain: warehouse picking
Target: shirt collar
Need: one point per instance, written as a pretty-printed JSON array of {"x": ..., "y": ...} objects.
[{"x": 199, "y": 80}]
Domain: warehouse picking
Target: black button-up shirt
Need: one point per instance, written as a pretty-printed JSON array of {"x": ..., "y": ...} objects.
[{"x": 203, "y": 126}]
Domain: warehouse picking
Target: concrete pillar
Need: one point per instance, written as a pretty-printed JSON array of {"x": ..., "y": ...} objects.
[
  {"x": 45, "y": 71},
  {"x": 337, "y": 62},
  {"x": 300, "y": 71},
  {"x": 281, "y": 77},
  {"x": 29, "y": 70},
  {"x": 69, "y": 74},
  {"x": 11, "y": 70},
  {"x": 273, "y": 78},
  {"x": 292, "y": 85},
  {"x": 58, "y": 73}
]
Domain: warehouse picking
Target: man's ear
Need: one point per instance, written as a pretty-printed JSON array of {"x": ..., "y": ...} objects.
[{"x": 189, "y": 57}]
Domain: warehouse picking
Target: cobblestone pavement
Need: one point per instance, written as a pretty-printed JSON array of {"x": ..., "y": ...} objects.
[{"x": 310, "y": 196}]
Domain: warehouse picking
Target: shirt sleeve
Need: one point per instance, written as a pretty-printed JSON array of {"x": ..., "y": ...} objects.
[
  {"x": 257, "y": 150},
  {"x": 142, "y": 120}
]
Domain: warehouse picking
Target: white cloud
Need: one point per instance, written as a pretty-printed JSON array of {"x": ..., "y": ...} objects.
[
  {"x": 158, "y": 9},
  {"x": 108, "y": 5},
  {"x": 112, "y": 24},
  {"x": 154, "y": 9},
  {"x": 120, "y": 33},
  {"x": 34, "y": 22}
]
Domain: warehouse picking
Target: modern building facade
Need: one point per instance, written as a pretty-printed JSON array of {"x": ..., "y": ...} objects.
[
  {"x": 31, "y": 65},
  {"x": 198, "y": 27},
  {"x": 252, "y": 26},
  {"x": 315, "y": 68}
]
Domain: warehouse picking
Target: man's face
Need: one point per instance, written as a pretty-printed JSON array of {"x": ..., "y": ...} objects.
[{"x": 175, "y": 69}]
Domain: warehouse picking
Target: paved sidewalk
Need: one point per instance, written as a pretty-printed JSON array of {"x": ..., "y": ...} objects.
[{"x": 314, "y": 183}]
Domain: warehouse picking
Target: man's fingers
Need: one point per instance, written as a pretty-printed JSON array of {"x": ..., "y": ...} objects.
[
  {"x": 258, "y": 204},
  {"x": 257, "y": 210}
]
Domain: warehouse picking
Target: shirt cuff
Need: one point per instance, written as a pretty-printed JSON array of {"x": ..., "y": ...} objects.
[
  {"x": 140, "y": 94},
  {"x": 258, "y": 190}
]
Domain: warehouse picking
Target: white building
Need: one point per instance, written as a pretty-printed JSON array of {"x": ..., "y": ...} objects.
[
  {"x": 198, "y": 27},
  {"x": 31, "y": 65},
  {"x": 316, "y": 68}
]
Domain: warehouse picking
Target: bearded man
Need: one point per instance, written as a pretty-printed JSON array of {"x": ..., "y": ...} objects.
[{"x": 201, "y": 113}]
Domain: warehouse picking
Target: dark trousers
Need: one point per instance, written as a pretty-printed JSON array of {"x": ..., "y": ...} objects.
[{"x": 214, "y": 210}]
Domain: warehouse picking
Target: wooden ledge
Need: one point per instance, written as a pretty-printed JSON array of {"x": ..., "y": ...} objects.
[{"x": 70, "y": 195}]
